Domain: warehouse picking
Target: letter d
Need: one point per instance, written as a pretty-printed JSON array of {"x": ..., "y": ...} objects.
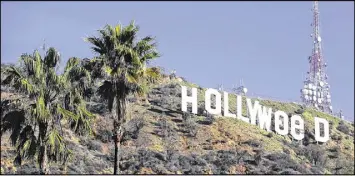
[{"x": 317, "y": 122}]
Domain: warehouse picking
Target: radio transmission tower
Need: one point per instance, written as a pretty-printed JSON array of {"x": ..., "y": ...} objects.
[
  {"x": 220, "y": 87},
  {"x": 315, "y": 92},
  {"x": 241, "y": 89}
]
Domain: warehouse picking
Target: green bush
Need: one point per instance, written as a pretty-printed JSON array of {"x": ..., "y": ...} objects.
[{"x": 343, "y": 128}]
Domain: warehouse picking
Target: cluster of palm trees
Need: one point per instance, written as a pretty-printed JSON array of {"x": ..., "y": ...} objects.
[{"x": 50, "y": 100}]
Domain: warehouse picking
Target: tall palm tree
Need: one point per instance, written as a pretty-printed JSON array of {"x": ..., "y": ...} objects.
[
  {"x": 124, "y": 64},
  {"x": 35, "y": 124}
]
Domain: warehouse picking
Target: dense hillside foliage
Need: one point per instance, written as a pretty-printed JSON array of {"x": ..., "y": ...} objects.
[{"x": 160, "y": 139}]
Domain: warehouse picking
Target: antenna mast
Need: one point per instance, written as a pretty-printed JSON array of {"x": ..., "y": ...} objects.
[
  {"x": 315, "y": 92},
  {"x": 241, "y": 89},
  {"x": 43, "y": 47}
]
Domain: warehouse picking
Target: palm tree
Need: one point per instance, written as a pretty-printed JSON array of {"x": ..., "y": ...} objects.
[
  {"x": 124, "y": 63},
  {"x": 35, "y": 124},
  {"x": 81, "y": 83},
  {"x": 79, "y": 76}
]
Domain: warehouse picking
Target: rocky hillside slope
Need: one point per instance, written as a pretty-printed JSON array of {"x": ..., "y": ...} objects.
[{"x": 163, "y": 140}]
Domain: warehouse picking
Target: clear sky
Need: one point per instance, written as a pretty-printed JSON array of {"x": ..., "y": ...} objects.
[{"x": 266, "y": 44}]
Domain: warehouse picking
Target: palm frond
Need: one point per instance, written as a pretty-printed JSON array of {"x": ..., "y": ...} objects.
[
  {"x": 52, "y": 58},
  {"x": 41, "y": 111},
  {"x": 72, "y": 62},
  {"x": 56, "y": 146},
  {"x": 150, "y": 56},
  {"x": 83, "y": 124},
  {"x": 99, "y": 46},
  {"x": 66, "y": 114},
  {"x": 25, "y": 85},
  {"x": 27, "y": 63},
  {"x": 13, "y": 121},
  {"x": 107, "y": 92},
  {"x": 27, "y": 144},
  {"x": 37, "y": 65},
  {"x": 141, "y": 89},
  {"x": 11, "y": 74},
  {"x": 132, "y": 79}
]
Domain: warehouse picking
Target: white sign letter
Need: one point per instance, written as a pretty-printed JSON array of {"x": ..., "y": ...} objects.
[
  {"x": 264, "y": 115},
  {"x": 294, "y": 126},
  {"x": 218, "y": 108},
  {"x": 185, "y": 99},
  {"x": 226, "y": 106},
  {"x": 253, "y": 111},
  {"x": 278, "y": 122},
  {"x": 239, "y": 110},
  {"x": 317, "y": 122}
]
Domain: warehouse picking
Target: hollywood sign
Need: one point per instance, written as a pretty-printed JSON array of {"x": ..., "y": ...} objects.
[{"x": 257, "y": 114}]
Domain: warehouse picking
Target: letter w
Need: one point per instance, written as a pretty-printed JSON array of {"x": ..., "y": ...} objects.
[{"x": 264, "y": 115}]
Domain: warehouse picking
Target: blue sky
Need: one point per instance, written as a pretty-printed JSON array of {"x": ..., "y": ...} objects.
[{"x": 264, "y": 43}]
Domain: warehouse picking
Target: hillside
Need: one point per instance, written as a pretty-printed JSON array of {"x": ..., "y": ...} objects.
[{"x": 163, "y": 140}]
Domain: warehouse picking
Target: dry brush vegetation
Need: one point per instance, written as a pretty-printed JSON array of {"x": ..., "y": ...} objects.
[{"x": 160, "y": 139}]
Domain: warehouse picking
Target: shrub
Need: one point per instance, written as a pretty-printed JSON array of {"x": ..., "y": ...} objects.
[
  {"x": 94, "y": 145},
  {"x": 253, "y": 143},
  {"x": 331, "y": 123},
  {"x": 132, "y": 128},
  {"x": 132, "y": 99},
  {"x": 317, "y": 170},
  {"x": 164, "y": 102},
  {"x": 104, "y": 135},
  {"x": 270, "y": 135},
  {"x": 284, "y": 162},
  {"x": 191, "y": 127},
  {"x": 103, "y": 129},
  {"x": 169, "y": 135},
  {"x": 316, "y": 154},
  {"x": 28, "y": 168},
  {"x": 220, "y": 161},
  {"x": 176, "y": 92},
  {"x": 299, "y": 111},
  {"x": 97, "y": 108},
  {"x": 308, "y": 137},
  {"x": 143, "y": 140},
  {"x": 258, "y": 157},
  {"x": 287, "y": 151},
  {"x": 337, "y": 138},
  {"x": 201, "y": 109},
  {"x": 167, "y": 129},
  {"x": 186, "y": 116},
  {"x": 343, "y": 128},
  {"x": 208, "y": 120},
  {"x": 210, "y": 117}
]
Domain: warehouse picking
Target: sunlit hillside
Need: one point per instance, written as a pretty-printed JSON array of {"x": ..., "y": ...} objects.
[{"x": 160, "y": 139}]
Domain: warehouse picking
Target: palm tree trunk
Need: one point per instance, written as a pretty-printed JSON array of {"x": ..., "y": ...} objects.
[
  {"x": 115, "y": 137},
  {"x": 117, "y": 141},
  {"x": 42, "y": 154},
  {"x": 118, "y": 129},
  {"x": 43, "y": 160}
]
